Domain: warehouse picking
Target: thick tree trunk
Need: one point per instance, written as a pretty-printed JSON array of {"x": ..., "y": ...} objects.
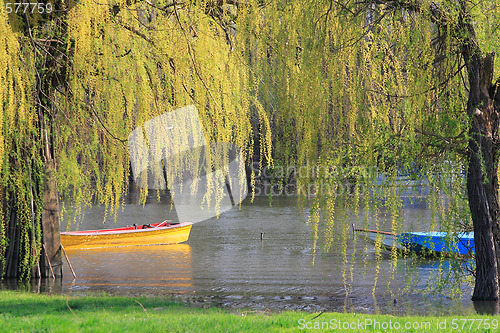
[
  {"x": 495, "y": 92},
  {"x": 482, "y": 179},
  {"x": 51, "y": 260},
  {"x": 11, "y": 269}
]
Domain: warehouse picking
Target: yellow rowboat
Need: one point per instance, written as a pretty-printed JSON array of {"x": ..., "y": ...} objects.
[{"x": 164, "y": 232}]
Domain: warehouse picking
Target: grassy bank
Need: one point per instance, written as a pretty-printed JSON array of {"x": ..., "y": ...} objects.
[{"x": 26, "y": 312}]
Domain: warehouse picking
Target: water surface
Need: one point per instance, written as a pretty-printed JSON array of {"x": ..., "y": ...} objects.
[{"x": 226, "y": 263}]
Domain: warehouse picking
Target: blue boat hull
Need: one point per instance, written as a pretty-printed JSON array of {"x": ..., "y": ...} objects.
[{"x": 438, "y": 242}]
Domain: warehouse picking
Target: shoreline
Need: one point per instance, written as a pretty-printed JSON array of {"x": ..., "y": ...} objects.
[{"x": 23, "y": 311}]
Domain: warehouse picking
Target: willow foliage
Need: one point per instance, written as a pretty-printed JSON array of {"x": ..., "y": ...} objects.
[
  {"x": 19, "y": 174},
  {"x": 128, "y": 62},
  {"x": 372, "y": 101},
  {"x": 356, "y": 94},
  {"x": 132, "y": 66},
  {"x": 351, "y": 94}
]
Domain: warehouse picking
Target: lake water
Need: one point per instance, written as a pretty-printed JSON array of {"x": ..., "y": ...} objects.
[{"x": 226, "y": 263}]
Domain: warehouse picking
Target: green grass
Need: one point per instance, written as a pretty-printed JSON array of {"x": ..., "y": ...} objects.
[{"x": 27, "y": 312}]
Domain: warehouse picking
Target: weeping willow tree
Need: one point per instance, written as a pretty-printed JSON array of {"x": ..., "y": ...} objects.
[
  {"x": 367, "y": 91},
  {"x": 351, "y": 89},
  {"x": 76, "y": 79}
]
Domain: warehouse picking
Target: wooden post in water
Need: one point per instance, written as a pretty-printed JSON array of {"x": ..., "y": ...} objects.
[{"x": 67, "y": 259}]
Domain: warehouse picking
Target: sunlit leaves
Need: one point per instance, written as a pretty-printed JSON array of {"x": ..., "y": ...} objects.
[{"x": 371, "y": 86}]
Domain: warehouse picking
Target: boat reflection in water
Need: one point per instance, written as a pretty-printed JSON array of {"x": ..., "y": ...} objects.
[{"x": 150, "y": 269}]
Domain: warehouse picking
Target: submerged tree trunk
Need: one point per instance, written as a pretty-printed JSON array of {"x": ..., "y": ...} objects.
[{"x": 482, "y": 179}]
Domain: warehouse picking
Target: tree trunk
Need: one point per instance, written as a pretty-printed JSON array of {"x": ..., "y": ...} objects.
[
  {"x": 482, "y": 179},
  {"x": 51, "y": 76},
  {"x": 51, "y": 260},
  {"x": 12, "y": 254}
]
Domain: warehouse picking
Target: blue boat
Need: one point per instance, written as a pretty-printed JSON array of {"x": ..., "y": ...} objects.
[
  {"x": 438, "y": 242},
  {"x": 424, "y": 243}
]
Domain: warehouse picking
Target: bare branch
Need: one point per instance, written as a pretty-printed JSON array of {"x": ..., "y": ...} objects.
[{"x": 137, "y": 32}]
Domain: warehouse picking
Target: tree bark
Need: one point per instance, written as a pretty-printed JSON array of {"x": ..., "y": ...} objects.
[
  {"x": 50, "y": 225},
  {"x": 495, "y": 92},
  {"x": 482, "y": 179}
]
